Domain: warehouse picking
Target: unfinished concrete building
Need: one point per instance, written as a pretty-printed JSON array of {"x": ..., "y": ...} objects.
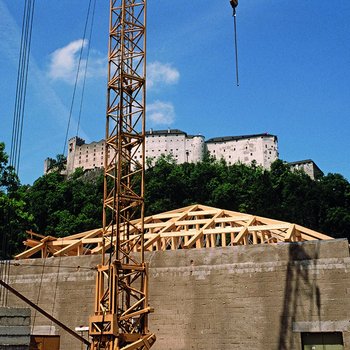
[{"x": 247, "y": 283}]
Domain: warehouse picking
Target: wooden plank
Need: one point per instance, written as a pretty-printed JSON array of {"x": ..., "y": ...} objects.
[
  {"x": 67, "y": 248},
  {"x": 290, "y": 233},
  {"x": 250, "y": 228},
  {"x": 240, "y": 235},
  {"x": 203, "y": 212},
  {"x": 166, "y": 216},
  {"x": 28, "y": 253},
  {"x": 156, "y": 225},
  {"x": 244, "y": 231},
  {"x": 34, "y": 234},
  {"x": 83, "y": 234},
  {"x": 233, "y": 218},
  {"x": 72, "y": 244},
  {"x": 31, "y": 242},
  {"x": 148, "y": 243},
  {"x": 223, "y": 240},
  {"x": 312, "y": 233},
  {"x": 255, "y": 238},
  {"x": 192, "y": 222},
  {"x": 199, "y": 235}
]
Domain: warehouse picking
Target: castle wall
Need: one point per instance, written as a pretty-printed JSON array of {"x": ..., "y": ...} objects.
[
  {"x": 261, "y": 149},
  {"x": 182, "y": 147},
  {"x": 244, "y": 297}
]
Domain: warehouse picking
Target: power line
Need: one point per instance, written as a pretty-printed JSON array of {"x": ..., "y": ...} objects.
[
  {"x": 77, "y": 76},
  {"x": 21, "y": 88},
  {"x": 86, "y": 65},
  {"x": 17, "y": 126}
]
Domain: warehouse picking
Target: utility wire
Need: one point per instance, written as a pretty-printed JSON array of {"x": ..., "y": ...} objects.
[
  {"x": 76, "y": 78},
  {"x": 86, "y": 65},
  {"x": 71, "y": 110},
  {"x": 21, "y": 88},
  {"x": 17, "y": 127}
]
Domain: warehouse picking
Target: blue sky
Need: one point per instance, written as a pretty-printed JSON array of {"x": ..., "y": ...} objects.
[{"x": 294, "y": 61}]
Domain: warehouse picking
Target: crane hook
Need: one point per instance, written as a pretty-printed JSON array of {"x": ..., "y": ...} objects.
[{"x": 234, "y": 4}]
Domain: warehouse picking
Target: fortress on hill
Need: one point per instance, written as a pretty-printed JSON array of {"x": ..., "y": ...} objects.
[{"x": 245, "y": 149}]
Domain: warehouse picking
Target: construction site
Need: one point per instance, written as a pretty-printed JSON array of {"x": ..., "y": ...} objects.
[{"x": 192, "y": 278}]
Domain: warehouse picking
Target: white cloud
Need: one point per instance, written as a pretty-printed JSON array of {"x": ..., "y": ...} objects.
[
  {"x": 64, "y": 61},
  {"x": 161, "y": 73},
  {"x": 64, "y": 64},
  {"x": 160, "y": 112}
]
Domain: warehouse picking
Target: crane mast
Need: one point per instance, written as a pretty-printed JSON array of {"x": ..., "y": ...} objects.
[{"x": 120, "y": 319}]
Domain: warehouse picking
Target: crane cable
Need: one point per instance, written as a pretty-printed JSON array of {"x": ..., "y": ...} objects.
[
  {"x": 234, "y": 4},
  {"x": 78, "y": 71}
]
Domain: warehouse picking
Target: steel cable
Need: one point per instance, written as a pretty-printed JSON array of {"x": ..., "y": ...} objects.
[
  {"x": 17, "y": 126},
  {"x": 21, "y": 88},
  {"x": 76, "y": 78}
]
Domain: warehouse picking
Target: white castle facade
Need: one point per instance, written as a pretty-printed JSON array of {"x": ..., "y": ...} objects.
[{"x": 261, "y": 148}]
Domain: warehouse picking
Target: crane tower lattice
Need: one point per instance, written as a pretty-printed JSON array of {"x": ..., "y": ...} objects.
[{"x": 120, "y": 320}]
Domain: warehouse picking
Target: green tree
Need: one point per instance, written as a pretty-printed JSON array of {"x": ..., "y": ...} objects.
[
  {"x": 63, "y": 206},
  {"x": 14, "y": 217},
  {"x": 59, "y": 164}
]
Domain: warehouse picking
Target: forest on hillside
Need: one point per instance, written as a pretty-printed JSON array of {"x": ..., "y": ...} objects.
[{"x": 59, "y": 206}]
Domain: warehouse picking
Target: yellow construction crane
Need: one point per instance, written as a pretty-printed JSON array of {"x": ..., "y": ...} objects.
[
  {"x": 120, "y": 319},
  {"x": 121, "y": 310}
]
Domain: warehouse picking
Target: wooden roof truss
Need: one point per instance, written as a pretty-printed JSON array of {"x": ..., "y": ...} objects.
[{"x": 195, "y": 226}]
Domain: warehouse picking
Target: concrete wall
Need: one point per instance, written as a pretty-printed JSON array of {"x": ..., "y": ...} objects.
[
  {"x": 248, "y": 297},
  {"x": 14, "y": 328}
]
